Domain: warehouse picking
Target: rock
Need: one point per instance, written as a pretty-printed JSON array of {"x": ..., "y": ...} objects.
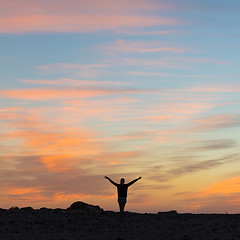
[
  {"x": 58, "y": 210},
  {"x": 172, "y": 212},
  {"x": 2, "y": 210},
  {"x": 85, "y": 207},
  {"x": 27, "y": 209},
  {"x": 13, "y": 209},
  {"x": 45, "y": 210}
]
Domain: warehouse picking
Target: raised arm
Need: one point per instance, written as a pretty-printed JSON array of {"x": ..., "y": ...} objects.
[
  {"x": 111, "y": 181},
  {"x": 132, "y": 182}
]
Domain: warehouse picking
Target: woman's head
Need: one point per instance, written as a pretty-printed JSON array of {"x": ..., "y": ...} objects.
[{"x": 122, "y": 181}]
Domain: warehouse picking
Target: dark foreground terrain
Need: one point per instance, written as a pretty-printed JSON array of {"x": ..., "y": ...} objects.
[{"x": 71, "y": 224}]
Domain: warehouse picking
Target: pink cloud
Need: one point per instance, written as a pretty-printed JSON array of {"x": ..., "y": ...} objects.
[
  {"x": 215, "y": 89},
  {"x": 67, "y": 23},
  {"x": 69, "y": 66},
  {"x": 167, "y": 62},
  {"x": 103, "y": 110},
  {"x": 145, "y": 33},
  {"x": 81, "y": 70},
  {"x": 164, "y": 74},
  {"x": 75, "y": 16},
  {"x": 216, "y": 122},
  {"x": 59, "y": 6},
  {"x": 140, "y": 47},
  {"x": 73, "y": 82},
  {"x": 74, "y": 23}
]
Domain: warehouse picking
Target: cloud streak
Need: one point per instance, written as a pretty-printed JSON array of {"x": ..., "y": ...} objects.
[
  {"x": 222, "y": 193},
  {"x": 123, "y": 46},
  {"x": 61, "y": 17},
  {"x": 44, "y": 94},
  {"x": 216, "y": 122},
  {"x": 72, "y": 82}
]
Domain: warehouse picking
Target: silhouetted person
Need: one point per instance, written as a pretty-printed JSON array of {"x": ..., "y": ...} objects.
[{"x": 122, "y": 192}]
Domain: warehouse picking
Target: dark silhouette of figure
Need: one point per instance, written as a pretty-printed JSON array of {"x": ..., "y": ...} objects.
[{"x": 122, "y": 189}]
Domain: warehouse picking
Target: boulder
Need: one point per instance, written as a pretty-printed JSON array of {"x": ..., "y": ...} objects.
[
  {"x": 85, "y": 207},
  {"x": 172, "y": 212},
  {"x": 13, "y": 209},
  {"x": 27, "y": 209}
]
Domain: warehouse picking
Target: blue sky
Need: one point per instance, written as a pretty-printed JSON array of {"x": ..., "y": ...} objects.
[{"x": 125, "y": 89}]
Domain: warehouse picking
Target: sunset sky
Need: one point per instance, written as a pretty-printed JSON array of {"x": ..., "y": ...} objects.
[{"x": 125, "y": 89}]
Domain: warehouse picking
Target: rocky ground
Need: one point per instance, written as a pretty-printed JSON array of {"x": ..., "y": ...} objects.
[{"x": 71, "y": 224}]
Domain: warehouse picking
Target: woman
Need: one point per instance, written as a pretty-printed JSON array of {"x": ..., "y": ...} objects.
[{"x": 122, "y": 192}]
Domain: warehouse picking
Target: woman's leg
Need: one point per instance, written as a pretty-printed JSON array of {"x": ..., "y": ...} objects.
[{"x": 122, "y": 204}]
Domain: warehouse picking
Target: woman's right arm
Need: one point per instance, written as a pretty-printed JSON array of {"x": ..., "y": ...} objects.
[{"x": 111, "y": 181}]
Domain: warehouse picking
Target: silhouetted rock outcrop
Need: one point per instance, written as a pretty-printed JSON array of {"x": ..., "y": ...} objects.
[
  {"x": 172, "y": 212},
  {"x": 85, "y": 207},
  {"x": 13, "y": 209},
  {"x": 48, "y": 224},
  {"x": 27, "y": 209}
]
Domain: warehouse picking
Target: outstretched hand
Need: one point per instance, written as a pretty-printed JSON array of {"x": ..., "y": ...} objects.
[
  {"x": 106, "y": 177},
  {"x": 140, "y": 178}
]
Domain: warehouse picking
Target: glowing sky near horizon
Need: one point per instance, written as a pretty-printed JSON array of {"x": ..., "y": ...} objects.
[{"x": 124, "y": 89}]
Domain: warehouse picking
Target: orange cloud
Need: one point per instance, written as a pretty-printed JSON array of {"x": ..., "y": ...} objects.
[
  {"x": 36, "y": 197},
  {"x": 58, "y": 163},
  {"x": 21, "y": 191},
  {"x": 220, "y": 196},
  {"x": 159, "y": 118},
  {"x": 225, "y": 187},
  {"x": 60, "y": 146},
  {"x": 43, "y": 94},
  {"x": 59, "y": 151},
  {"x": 185, "y": 108},
  {"x": 56, "y": 144}
]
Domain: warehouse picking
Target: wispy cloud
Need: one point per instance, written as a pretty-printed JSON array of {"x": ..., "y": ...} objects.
[
  {"x": 156, "y": 64},
  {"x": 222, "y": 193},
  {"x": 216, "y": 89},
  {"x": 223, "y": 187},
  {"x": 216, "y": 122},
  {"x": 44, "y": 94},
  {"x": 59, "y": 6},
  {"x": 211, "y": 145},
  {"x": 96, "y": 15},
  {"x": 197, "y": 166},
  {"x": 51, "y": 147},
  {"x": 27, "y": 182},
  {"x": 73, "y": 23},
  {"x": 73, "y": 82},
  {"x": 81, "y": 70},
  {"x": 177, "y": 164},
  {"x": 145, "y": 33},
  {"x": 165, "y": 74},
  {"x": 124, "y": 46}
]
